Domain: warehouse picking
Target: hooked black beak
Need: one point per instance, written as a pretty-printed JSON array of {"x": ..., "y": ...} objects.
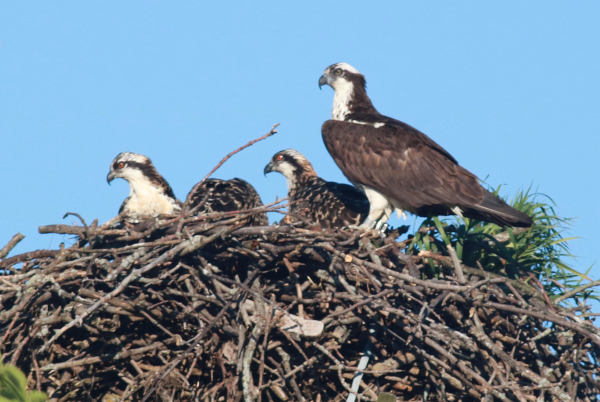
[
  {"x": 110, "y": 177},
  {"x": 268, "y": 168},
  {"x": 322, "y": 81}
]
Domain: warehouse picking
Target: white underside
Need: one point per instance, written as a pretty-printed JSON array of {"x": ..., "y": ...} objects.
[
  {"x": 150, "y": 203},
  {"x": 147, "y": 199},
  {"x": 344, "y": 91},
  {"x": 380, "y": 208}
]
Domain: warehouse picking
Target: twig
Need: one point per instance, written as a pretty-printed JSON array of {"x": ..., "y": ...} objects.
[
  {"x": 32, "y": 255},
  {"x": 11, "y": 244},
  {"x": 574, "y": 292},
  {"x": 124, "y": 283},
  {"x": 229, "y": 155},
  {"x": 457, "y": 266},
  {"x": 362, "y": 302},
  {"x": 546, "y": 317},
  {"x": 196, "y": 340}
]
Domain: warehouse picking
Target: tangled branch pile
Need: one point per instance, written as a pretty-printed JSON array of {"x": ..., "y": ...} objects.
[{"x": 219, "y": 312}]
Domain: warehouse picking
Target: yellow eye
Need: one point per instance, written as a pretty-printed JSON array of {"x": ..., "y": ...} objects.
[
  {"x": 279, "y": 157},
  {"x": 121, "y": 165},
  {"x": 338, "y": 71}
]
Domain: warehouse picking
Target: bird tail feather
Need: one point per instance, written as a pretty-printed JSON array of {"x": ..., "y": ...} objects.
[{"x": 494, "y": 209}]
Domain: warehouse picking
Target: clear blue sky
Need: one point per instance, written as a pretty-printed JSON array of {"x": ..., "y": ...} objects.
[{"x": 511, "y": 89}]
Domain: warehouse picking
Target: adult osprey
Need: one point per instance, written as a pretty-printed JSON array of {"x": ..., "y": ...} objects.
[
  {"x": 329, "y": 204},
  {"x": 228, "y": 196},
  {"x": 149, "y": 192},
  {"x": 397, "y": 166}
]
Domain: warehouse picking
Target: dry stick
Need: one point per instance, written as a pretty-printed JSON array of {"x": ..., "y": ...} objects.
[
  {"x": 457, "y": 267},
  {"x": 575, "y": 291},
  {"x": 261, "y": 368},
  {"x": 514, "y": 291},
  {"x": 11, "y": 244},
  {"x": 410, "y": 279},
  {"x": 262, "y": 230},
  {"x": 38, "y": 375},
  {"x": 447, "y": 262},
  {"x": 298, "y": 287},
  {"x": 301, "y": 367},
  {"x": 542, "y": 290},
  {"x": 200, "y": 241},
  {"x": 32, "y": 255},
  {"x": 229, "y": 155},
  {"x": 252, "y": 292},
  {"x": 258, "y": 330},
  {"x": 125, "y": 235},
  {"x": 504, "y": 382},
  {"x": 10, "y": 327},
  {"x": 122, "y": 286},
  {"x": 247, "y": 361},
  {"x": 85, "y": 226},
  {"x": 461, "y": 365},
  {"x": 97, "y": 359},
  {"x": 79, "y": 230},
  {"x": 270, "y": 207},
  {"x": 523, "y": 371},
  {"x": 339, "y": 364},
  {"x": 362, "y": 302},
  {"x": 285, "y": 360},
  {"x": 406, "y": 259},
  {"x": 131, "y": 247},
  {"x": 19, "y": 349},
  {"x": 546, "y": 317},
  {"x": 198, "y": 338},
  {"x": 376, "y": 260},
  {"x": 436, "y": 367}
]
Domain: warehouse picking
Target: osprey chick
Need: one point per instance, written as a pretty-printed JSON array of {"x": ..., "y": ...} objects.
[
  {"x": 149, "y": 192},
  {"x": 399, "y": 167},
  {"x": 329, "y": 204},
  {"x": 228, "y": 196}
]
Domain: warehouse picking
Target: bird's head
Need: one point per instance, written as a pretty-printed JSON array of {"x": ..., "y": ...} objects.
[
  {"x": 350, "y": 90},
  {"x": 292, "y": 165},
  {"x": 340, "y": 76},
  {"x": 131, "y": 167}
]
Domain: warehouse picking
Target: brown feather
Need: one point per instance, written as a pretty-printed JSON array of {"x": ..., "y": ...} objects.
[{"x": 400, "y": 164}]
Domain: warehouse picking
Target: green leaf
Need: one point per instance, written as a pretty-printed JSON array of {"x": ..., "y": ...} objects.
[
  {"x": 37, "y": 396},
  {"x": 13, "y": 386},
  {"x": 541, "y": 250},
  {"x": 441, "y": 231}
]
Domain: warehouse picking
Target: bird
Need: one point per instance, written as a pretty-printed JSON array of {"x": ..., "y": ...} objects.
[
  {"x": 397, "y": 166},
  {"x": 326, "y": 203},
  {"x": 149, "y": 192},
  {"x": 216, "y": 195}
]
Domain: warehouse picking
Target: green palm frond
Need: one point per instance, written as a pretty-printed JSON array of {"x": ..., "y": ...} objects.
[
  {"x": 541, "y": 250},
  {"x": 13, "y": 386}
]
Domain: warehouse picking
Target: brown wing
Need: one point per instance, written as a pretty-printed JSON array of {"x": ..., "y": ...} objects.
[
  {"x": 403, "y": 164},
  {"x": 228, "y": 196},
  {"x": 379, "y": 118},
  {"x": 329, "y": 204}
]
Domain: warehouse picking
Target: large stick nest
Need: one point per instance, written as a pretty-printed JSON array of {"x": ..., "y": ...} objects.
[{"x": 219, "y": 312}]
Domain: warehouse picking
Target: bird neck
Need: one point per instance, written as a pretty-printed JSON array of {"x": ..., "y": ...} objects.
[
  {"x": 140, "y": 187},
  {"x": 299, "y": 180},
  {"x": 350, "y": 98}
]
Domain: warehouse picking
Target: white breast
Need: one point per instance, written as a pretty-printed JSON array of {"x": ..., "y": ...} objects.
[
  {"x": 145, "y": 198},
  {"x": 344, "y": 91},
  {"x": 150, "y": 203}
]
